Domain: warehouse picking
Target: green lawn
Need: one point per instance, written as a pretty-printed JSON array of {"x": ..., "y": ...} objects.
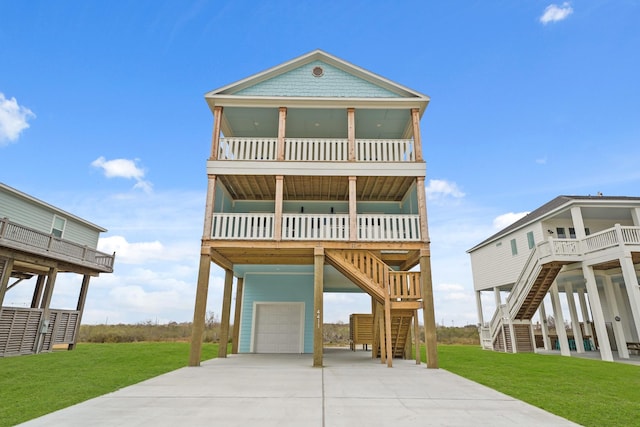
[
  {"x": 588, "y": 392},
  {"x": 31, "y": 386}
]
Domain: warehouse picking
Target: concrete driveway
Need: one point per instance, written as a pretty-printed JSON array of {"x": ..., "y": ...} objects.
[{"x": 285, "y": 390}]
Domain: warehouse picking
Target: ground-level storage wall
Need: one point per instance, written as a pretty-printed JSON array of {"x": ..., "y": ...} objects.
[{"x": 262, "y": 289}]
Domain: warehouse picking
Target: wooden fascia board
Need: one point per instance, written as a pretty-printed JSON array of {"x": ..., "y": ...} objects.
[
  {"x": 220, "y": 259},
  {"x": 316, "y": 102},
  {"x": 238, "y": 167}
]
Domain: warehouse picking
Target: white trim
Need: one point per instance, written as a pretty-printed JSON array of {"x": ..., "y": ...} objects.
[
  {"x": 240, "y": 167},
  {"x": 254, "y": 317}
]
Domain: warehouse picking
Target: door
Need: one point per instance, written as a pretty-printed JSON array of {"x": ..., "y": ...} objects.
[{"x": 278, "y": 327}]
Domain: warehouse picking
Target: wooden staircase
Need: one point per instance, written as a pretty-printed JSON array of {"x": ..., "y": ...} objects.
[
  {"x": 541, "y": 285},
  {"x": 397, "y": 298}
]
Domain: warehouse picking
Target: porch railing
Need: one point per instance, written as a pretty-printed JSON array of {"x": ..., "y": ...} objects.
[
  {"x": 315, "y": 227},
  {"x": 317, "y": 149},
  {"x": 257, "y": 226},
  {"x": 388, "y": 227},
  {"x": 16, "y": 235}
]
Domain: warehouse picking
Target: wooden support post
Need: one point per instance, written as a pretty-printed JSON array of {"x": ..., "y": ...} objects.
[
  {"x": 353, "y": 209},
  {"x": 428, "y": 312},
  {"x": 207, "y": 231},
  {"x": 318, "y": 290},
  {"x": 375, "y": 332},
  {"x": 416, "y": 332},
  {"x": 215, "y": 139},
  {"x": 382, "y": 334},
  {"x": 351, "y": 133},
  {"x": 200, "y": 309},
  {"x": 417, "y": 139},
  {"x": 277, "y": 235},
  {"x": 82, "y": 298},
  {"x": 4, "y": 278},
  {"x": 226, "y": 314},
  {"x": 37, "y": 291},
  {"x": 236, "y": 316},
  {"x": 282, "y": 131},
  {"x": 387, "y": 322},
  {"x": 48, "y": 290},
  {"x": 422, "y": 209}
]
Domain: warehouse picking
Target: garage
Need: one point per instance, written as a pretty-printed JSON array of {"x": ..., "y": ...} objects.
[{"x": 278, "y": 327}]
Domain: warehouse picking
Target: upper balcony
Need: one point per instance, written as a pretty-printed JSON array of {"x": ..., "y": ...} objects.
[{"x": 16, "y": 236}]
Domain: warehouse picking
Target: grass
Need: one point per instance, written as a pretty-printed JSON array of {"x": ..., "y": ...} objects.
[
  {"x": 31, "y": 386},
  {"x": 588, "y": 392}
]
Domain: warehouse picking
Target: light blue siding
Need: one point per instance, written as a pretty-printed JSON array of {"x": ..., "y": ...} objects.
[
  {"x": 334, "y": 83},
  {"x": 276, "y": 288}
]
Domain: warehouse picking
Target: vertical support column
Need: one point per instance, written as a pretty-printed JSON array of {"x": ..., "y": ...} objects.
[
  {"x": 200, "y": 309},
  {"x": 559, "y": 319},
  {"x": 585, "y": 314},
  {"x": 544, "y": 326},
  {"x": 318, "y": 290},
  {"x": 381, "y": 333},
  {"x": 428, "y": 310},
  {"x": 377, "y": 338},
  {"x": 351, "y": 133},
  {"x": 226, "y": 313},
  {"x": 578, "y": 222},
  {"x": 417, "y": 139},
  {"x": 416, "y": 333},
  {"x": 236, "y": 316},
  {"x": 207, "y": 231},
  {"x": 422, "y": 209},
  {"x": 353, "y": 210},
  {"x": 4, "y": 278},
  {"x": 575, "y": 322},
  {"x": 633, "y": 290},
  {"x": 215, "y": 139},
  {"x": 282, "y": 132},
  {"x": 479, "y": 308},
  {"x": 387, "y": 322},
  {"x": 48, "y": 291},
  {"x": 598, "y": 316},
  {"x": 618, "y": 331},
  {"x": 37, "y": 291},
  {"x": 496, "y": 295},
  {"x": 277, "y": 231},
  {"x": 82, "y": 299}
]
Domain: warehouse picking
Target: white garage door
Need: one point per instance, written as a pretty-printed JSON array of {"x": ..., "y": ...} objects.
[{"x": 278, "y": 328}]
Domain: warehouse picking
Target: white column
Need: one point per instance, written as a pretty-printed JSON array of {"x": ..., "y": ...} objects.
[
  {"x": 578, "y": 222},
  {"x": 598, "y": 315},
  {"x": 616, "y": 322},
  {"x": 559, "y": 319},
  {"x": 575, "y": 322},
  {"x": 633, "y": 291},
  {"x": 586, "y": 319},
  {"x": 542, "y": 312},
  {"x": 479, "y": 307},
  {"x": 635, "y": 215},
  {"x": 496, "y": 294}
]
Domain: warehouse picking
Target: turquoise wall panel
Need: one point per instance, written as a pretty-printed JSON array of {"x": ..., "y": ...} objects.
[
  {"x": 276, "y": 288},
  {"x": 333, "y": 83}
]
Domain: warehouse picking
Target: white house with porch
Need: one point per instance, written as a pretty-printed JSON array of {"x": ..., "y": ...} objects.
[{"x": 579, "y": 253}]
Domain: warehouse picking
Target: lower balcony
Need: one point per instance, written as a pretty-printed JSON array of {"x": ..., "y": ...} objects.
[{"x": 326, "y": 227}]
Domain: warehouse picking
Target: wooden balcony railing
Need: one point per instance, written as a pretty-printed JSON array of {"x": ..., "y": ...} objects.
[
  {"x": 317, "y": 149},
  {"x": 261, "y": 226},
  {"x": 20, "y": 237}
]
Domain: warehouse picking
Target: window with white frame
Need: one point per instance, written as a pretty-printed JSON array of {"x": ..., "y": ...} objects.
[
  {"x": 530, "y": 240},
  {"x": 561, "y": 233},
  {"x": 57, "y": 229}
]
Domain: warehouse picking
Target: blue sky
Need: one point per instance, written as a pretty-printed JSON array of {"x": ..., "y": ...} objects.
[{"x": 102, "y": 114}]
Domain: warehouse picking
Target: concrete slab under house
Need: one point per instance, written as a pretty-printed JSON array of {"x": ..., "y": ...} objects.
[{"x": 316, "y": 183}]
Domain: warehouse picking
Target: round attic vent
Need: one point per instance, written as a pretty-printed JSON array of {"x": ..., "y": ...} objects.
[{"x": 317, "y": 71}]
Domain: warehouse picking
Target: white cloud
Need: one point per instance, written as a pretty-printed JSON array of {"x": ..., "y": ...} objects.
[
  {"x": 14, "y": 119},
  {"x": 555, "y": 13},
  {"x": 439, "y": 188},
  {"x": 507, "y": 219},
  {"x": 541, "y": 160},
  {"x": 123, "y": 168}
]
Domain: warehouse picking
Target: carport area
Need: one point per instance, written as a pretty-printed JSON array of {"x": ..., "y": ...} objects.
[{"x": 285, "y": 390}]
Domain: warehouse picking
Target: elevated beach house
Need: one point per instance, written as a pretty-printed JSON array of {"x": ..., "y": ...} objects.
[
  {"x": 37, "y": 242},
  {"x": 581, "y": 254},
  {"x": 316, "y": 183}
]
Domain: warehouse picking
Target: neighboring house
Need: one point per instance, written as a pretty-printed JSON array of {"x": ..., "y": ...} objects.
[
  {"x": 316, "y": 183},
  {"x": 584, "y": 246},
  {"x": 40, "y": 241}
]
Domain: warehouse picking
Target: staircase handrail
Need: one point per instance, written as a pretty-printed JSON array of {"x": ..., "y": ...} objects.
[{"x": 523, "y": 284}]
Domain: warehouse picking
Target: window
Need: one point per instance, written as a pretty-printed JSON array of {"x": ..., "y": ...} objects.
[
  {"x": 57, "y": 229},
  {"x": 587, "y": 231},
  {"x": 560, "y": 233},
  {"x": 572, "y": 232},
  {"x": 514, "y": 247},
  {"x": 530, "y": 240}
]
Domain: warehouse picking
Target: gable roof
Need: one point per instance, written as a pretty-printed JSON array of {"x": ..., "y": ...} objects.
[
  {"x": 343, "y": 80},
  {"x": 552, "y": 206}
]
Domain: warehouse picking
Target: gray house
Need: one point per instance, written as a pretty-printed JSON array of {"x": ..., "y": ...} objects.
[{"x": 38, "y": 241}]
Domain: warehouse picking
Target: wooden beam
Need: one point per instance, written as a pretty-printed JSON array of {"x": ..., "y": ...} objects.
[
  {"x": 282, "y": 132},
  {"x": 417, "y": 140},
  {"x": 226, "y": 314},
  {"x": 278, "y": 208},
  {"x": 387, "y": 328},
  {"x": 236, "y": 315},
  {"x": 318, "y": 289},
  {"x": 5, "y": 274},
  {"x": 416, "y": 332},
  {"x": 37, "y": 291},
  {"x": 422, "y": 209},
  {"x": 82, "y": 298},
  {"x": 220, "y": 259},
  {"x": 428, "y": 311},
  {"x": 48, "y": 290},
  {"x": 207, "y": 231},
  {"x": 353, "y": 209},
  {"x": 351, "y": 133},
  {"x": 200, "y": 310},
  {"x": 215, "y": 139}
]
